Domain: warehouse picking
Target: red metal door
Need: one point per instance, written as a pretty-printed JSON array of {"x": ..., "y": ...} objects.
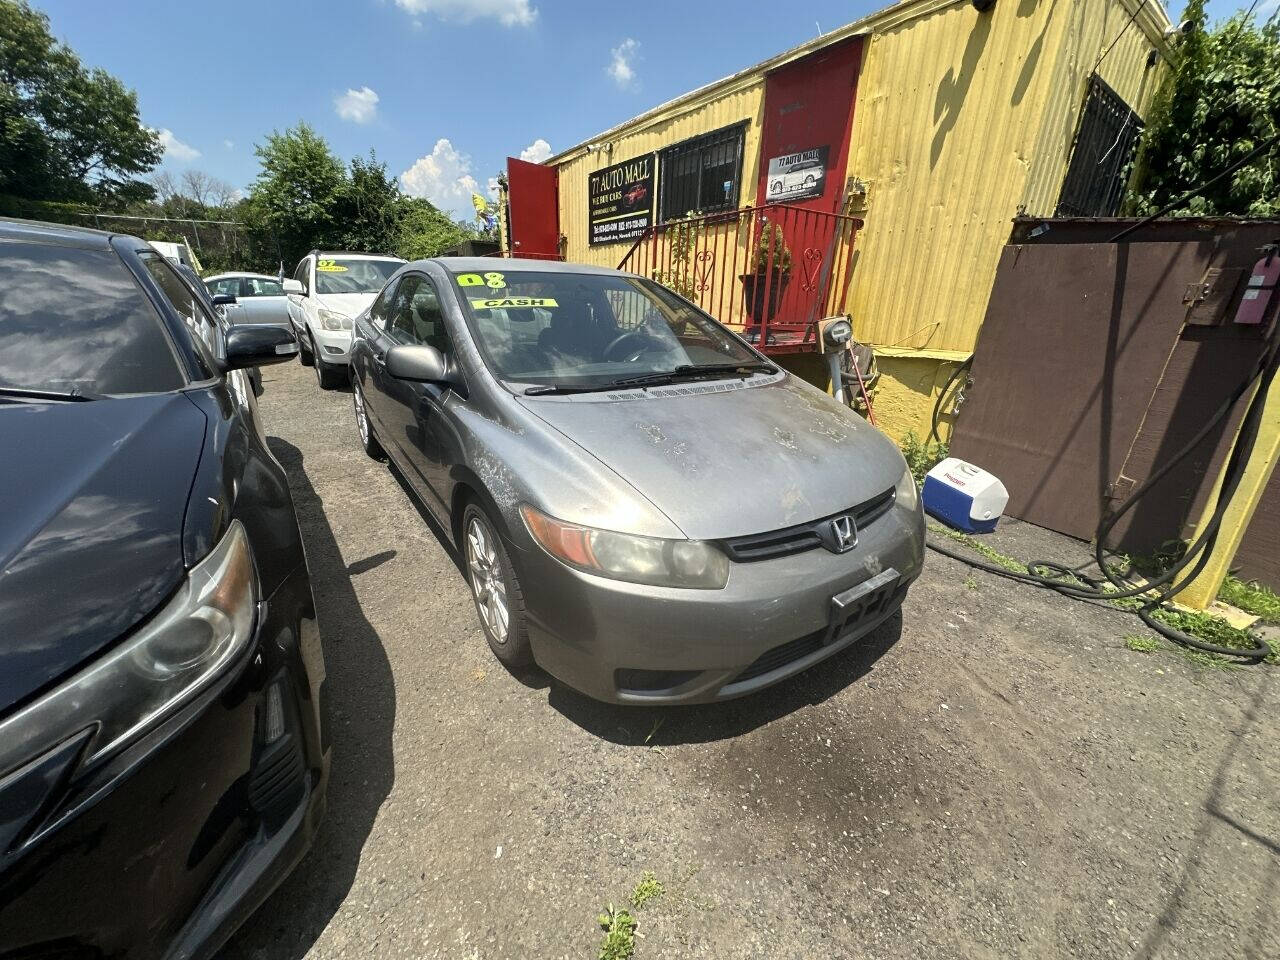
[
  {"x": 533, "y": 205},
  {"x": 808, "y": 112}
]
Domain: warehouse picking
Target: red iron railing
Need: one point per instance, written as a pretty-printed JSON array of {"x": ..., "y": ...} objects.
[{"x": 769, "y": 271}]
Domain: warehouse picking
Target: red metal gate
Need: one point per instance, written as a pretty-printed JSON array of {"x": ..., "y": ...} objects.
[
  {"x": 771, "y": 271},
  {"x": 533, "y": 203}
]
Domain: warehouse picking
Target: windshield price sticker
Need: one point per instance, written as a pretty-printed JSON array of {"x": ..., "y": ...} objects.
[
  {"x": 506, "y": 303},
  {"x": 494, "y": 280},
  {"x": 330, "y": 266}
]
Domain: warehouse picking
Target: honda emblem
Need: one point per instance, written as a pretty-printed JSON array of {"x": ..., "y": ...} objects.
[{"x": 844, "y": 534}]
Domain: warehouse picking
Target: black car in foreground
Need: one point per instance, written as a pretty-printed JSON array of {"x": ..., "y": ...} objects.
[{"x": 162, "y": 759}]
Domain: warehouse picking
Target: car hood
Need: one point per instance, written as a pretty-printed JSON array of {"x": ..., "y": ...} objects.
[
  {"x": 91, "y": 534},
  {"x": 724, "y": 458},
  {"x": 349, "y": 304}
]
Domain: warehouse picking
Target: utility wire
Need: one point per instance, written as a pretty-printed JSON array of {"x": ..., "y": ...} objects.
[{"x": 1134, "y": 16}]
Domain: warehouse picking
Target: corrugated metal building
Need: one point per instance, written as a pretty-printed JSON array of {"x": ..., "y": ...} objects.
[{"x": 932, "y": 122}]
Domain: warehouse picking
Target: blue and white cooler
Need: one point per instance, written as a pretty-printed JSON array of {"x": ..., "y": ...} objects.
[{"x": 964, "y": 496}]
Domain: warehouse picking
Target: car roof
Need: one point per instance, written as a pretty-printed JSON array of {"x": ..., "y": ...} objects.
[
  {"x": 513, "y": 264},
  {"x": 239, "y": 274},
  {"x": 355, "y": 253},
  {"x": 56, "y": 233}
]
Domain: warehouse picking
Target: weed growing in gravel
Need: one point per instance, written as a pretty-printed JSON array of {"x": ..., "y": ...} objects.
[
  {"x": 619, "y": 928},
  {"x": 1142, "y": 642},
  {"x": 971, "y": 582},
  {"x": 1251, "y": 598},
  {"x": 649, "y": 888},
  {"x": 922, "y": 455},
  {"x": 1204, "y": 626}
]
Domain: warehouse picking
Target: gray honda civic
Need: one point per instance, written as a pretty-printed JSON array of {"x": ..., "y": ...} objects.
[{"x": 646, "y": 507}]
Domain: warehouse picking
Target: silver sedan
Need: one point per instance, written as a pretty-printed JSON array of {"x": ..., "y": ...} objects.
[{"x": 259, "y": 298}]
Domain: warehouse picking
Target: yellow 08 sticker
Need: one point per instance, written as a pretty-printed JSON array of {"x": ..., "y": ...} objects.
[
  {"x": 494, "y": 280},
  {"x": 506, "y": 303}
]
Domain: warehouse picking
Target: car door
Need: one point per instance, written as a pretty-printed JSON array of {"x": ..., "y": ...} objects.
[
  {"x": 297, "y": 303},
  {"x": 369, "y": 346},
  {"x": 228, "y": 286},
  {"x": 416, "y": 414},
  {"x": 263, "y": 300}
]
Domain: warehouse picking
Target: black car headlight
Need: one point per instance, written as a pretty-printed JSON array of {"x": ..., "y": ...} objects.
[{"x": 162, "y": 665}]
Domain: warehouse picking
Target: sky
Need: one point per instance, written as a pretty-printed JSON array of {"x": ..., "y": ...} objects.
[{"x": 442, "y": 90}]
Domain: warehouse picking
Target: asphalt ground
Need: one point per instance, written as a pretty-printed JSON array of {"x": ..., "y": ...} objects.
[{"x": 991, "y": 774}]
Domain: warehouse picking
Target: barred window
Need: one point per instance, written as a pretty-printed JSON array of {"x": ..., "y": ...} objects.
[
  {"x": 1102, "y": 158},
  {"x": 702, "y": 174}
]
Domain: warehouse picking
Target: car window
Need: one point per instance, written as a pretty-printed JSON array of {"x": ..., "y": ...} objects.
[
  {"x": 303, "y": 274},
  {"x": 262, "y": 287},
  {"x": 587, "y": 329},
  {"x": 353, "y": 275},
  {"x": 227, "y": 286},
  {"x": 76, "y": 320},
  {"x": 203, "y": 326},
  {"x": 415, "y": 316},
  {"x": 381, "y": 307}
]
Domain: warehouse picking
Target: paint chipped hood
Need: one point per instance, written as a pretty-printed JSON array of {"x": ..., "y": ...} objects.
[{"x": 731, "y": 458}]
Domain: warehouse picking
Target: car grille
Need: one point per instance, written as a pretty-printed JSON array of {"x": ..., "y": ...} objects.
[{"x": 803, "y": 536}]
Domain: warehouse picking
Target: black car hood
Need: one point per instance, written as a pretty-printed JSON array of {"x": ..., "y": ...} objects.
[{"x": 91, "y": 532}]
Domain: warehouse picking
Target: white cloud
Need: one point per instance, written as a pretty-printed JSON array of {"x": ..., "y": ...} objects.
[
  {"x": 229, "y": 144},
  {"x": 444, "y": 177},
  {"x": 175, "y": 149},
  {"x": 622, "y": 63},
  {"x": 536, "y": 152},
  {"x": 493, "y": 188},
  {"x": 358, "y": 106},
  {"x": 509, "y": 13}
]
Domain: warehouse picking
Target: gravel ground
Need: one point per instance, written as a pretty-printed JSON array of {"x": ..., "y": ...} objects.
[{"x": 992, "y": 774}]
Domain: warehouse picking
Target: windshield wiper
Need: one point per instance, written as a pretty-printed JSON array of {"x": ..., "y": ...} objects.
[
  {"x": 546, "y": 388},
  {"x": 75, "y": 394},
  {"x": 693, "y": 371}
]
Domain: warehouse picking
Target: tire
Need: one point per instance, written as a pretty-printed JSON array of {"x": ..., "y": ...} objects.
[
  {"x": 495, "y": 589},
  {"x": 363, "y": 427},
  {"x": 304, "y": 350},
  {"x": 327, "y": 375}
]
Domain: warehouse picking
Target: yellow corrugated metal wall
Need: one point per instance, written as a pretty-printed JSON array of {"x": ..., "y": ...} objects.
[{"x": 734, "y": 106}]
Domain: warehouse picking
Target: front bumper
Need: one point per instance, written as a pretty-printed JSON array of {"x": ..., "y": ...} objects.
[
  {"x": 628, "y": 643},
  {"x": 333, "y": 346},
  {"x": 164, "y": 849}
]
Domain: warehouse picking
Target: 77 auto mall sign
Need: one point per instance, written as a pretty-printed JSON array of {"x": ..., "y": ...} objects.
[{"x": 620, "y": 200}]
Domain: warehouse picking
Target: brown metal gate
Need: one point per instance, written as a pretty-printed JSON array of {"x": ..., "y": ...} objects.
[{"x": 1097, "y": 361}]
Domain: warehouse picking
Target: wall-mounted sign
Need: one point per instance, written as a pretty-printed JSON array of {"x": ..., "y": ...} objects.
[
  {"x": 797, "y": 176},
  {"x": 620, "y": 200}
]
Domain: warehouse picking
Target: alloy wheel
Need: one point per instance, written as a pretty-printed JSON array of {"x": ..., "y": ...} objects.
[
  {"x": 362, "y": 420},
  {"x": 317, "y": 363},
  {"x": 487, "y": 582}
]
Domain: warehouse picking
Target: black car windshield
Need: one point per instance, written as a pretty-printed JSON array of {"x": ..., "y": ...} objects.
[
  {"x": 589, "y": 330},
  {"x": 353, "y": 275},
  {"x": 76, "y": 321}
]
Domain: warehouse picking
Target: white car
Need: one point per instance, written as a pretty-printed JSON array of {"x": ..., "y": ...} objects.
[
  {"x": 327, "y": 290},
  {"x": 259, "y": 298}
]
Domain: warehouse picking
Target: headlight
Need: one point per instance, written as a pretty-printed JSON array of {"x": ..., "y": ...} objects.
[
  {"x": 906, "y": 493},
  {"x": 179, "y": 652},
  {"x": 625, "y": 556},
  {"x": 332, "y": 320}
]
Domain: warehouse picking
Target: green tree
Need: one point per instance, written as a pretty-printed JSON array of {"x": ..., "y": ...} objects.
[
  {"x": 425, "y": 230},
  {"x": 66, "y": 132},
  {"x": 1218, "y": 101},
  {"x": 296, "y": 202}
]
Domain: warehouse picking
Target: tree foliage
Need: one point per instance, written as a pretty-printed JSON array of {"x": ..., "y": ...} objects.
[
  {"x": 1219, "y": 100},
  {"x": 67, "y": 133}
]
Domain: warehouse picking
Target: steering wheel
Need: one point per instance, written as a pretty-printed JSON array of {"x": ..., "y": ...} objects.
[{"x": 641, "y": 341}]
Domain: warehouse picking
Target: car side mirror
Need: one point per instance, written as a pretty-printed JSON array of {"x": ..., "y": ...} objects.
[
  {"x": 294, "y": 287},
  {"x": 258, "y": 344},
  {"x": 224, "y": 299},
  {"x": 421, "y": 363}
]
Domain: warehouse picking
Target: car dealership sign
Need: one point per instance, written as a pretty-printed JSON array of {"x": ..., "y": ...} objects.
[
  {"x": 797, "y": 176},
  {"x": 620, "y": 200}
]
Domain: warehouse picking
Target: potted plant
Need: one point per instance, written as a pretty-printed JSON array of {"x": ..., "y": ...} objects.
[{"x": 762, "y": 290}]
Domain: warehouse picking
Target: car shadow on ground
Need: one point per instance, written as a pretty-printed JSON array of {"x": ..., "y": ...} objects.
[
  {"x": 640, "y": 726},
  {"x": 361, "y": 713}
]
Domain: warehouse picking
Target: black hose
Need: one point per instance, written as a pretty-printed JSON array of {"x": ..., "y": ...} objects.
[
  {"x": 1198, "y": 552},
  {"x": 937, "y": 406}
]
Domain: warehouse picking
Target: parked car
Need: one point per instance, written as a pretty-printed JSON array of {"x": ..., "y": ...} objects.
[
  {"x": 258, "y": 298},
  {"x": 176, "y": 252},
  {"x": 162, "y": 761},
  {"x": 325, "y": 292},
  {"x": 647, "y": 507}
]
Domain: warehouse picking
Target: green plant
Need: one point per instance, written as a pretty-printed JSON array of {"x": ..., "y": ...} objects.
[
  {"x": 1251, "y": 598},
  {"x": 682, "y": 239},
  {"x": 1142, "y": 642},
  {"x": 971, "y": 582},
  {"x": 772, "y": 250},
  {"x": 619, "y": 928},
  {"x": 649, "y": 888},
  {"x": 922, "y": 455}
]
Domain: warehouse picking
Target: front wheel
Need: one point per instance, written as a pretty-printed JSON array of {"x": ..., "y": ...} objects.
[
  {"x": 496, "y": 589},
  {"x": 327, "y": 375},
  {"x": 304, "y": 349},
  {"x": 367, "y": 440}
]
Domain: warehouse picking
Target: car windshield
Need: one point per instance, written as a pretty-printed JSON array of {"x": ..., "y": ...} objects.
[
  {"x": 589, "y": 330},
  {"x": 353, "y": 275},
  {"x": 75, "y": 321}
]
